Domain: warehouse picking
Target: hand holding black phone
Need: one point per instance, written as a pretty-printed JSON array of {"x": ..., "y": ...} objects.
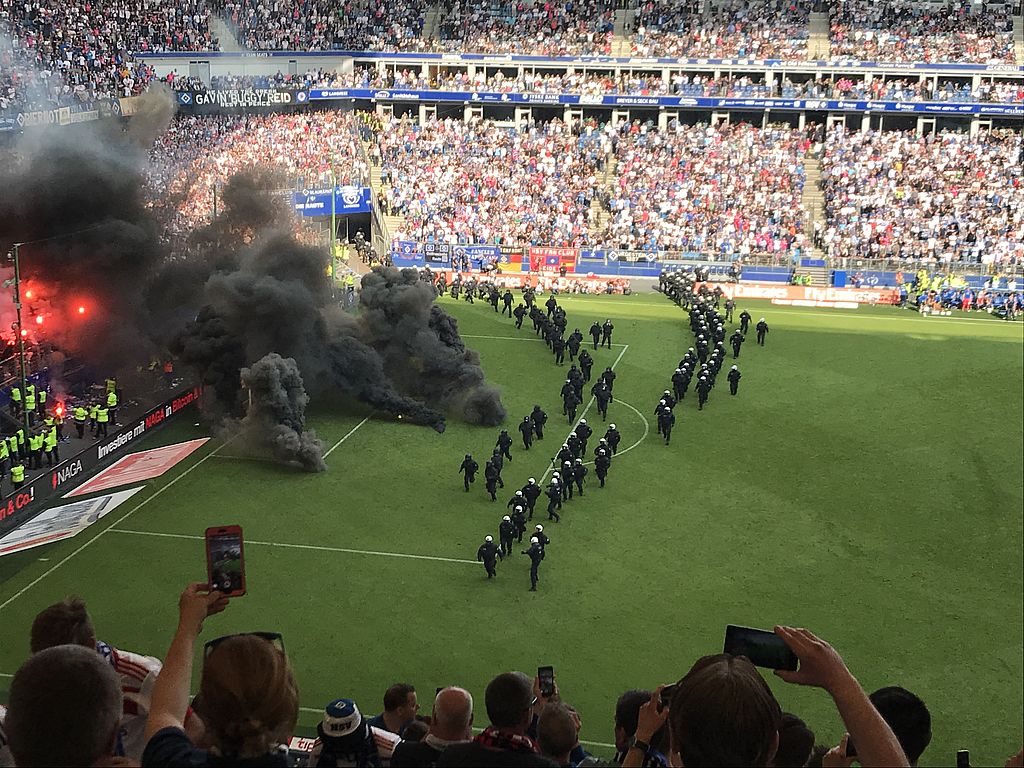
[
  {"x": 763, "y": 647},
  {"x": 546, "y": 680}
]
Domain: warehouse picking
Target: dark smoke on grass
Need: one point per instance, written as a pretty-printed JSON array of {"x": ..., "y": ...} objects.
[
  {"x": 275, "y": 420},
  {"x": 244, "y": 288}
]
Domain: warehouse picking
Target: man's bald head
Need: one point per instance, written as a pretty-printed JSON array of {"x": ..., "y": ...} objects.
[{"x": 452, "y": 718}]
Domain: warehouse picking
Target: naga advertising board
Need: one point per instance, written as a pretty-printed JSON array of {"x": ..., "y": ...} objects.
[{"x": 29, "y": 500}]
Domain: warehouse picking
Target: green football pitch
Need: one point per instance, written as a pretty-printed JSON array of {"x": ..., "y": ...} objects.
[{"x": 866, "y": 483}]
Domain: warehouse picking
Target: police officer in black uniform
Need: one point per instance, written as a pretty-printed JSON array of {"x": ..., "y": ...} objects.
[
  {"x": 519, "y": 521},
  {"x": 558, "y": 347},
  {"x": 570, "y": 403},
  {"x": 666, "y": 420},
  {"x": 704, "y": 386},
  {"x": 677, "y": 383},
  {"x": 602, "y": 462},
  {"x": 606, "y": 334},
  {"x": 734, "y": 380},
  {"x": 519, "y": 313},
  {"x": 576, "y": 379},
  {"x": 536, "y": 555},
  {"x": 573, "y": 343},
  {"x": 539, "y": 419},
  {"x": 609, "y": 377},
  {"x": 551, "y": 303},
  {"x": 469, "y": 468},
  {"x": 736, "y": 340},
  {"x": 612, "y": 438},
  {"x": 586, "y": 363},
  {"x": 491, "y": 473},
  {"x": 504, "y": 444},
  {"x": 506, "y": 302},
  {"x": 542, "y": 538},
  {"x": 506, "y": 533},
  {"x": 532, "y": 492},
  {"x": 595, "y": 333},
  {"x": 603, "y": 395},
  {"x": 488, "y": 554},
  {"x": 579, "y": 474},
  {"x": 745, "y": 319},
  {"x": 554, "y": 494},
  {"x": 762, "y": 331},
  {"x": 526, "y": 430},
  {"x": 583, "y": 432}
]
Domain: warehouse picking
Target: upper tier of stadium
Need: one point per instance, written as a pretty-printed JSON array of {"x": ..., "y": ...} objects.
[{"x": 82, "y": 51}]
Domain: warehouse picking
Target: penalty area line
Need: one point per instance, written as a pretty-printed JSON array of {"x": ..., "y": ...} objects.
[{"x": 311, "y": 547}]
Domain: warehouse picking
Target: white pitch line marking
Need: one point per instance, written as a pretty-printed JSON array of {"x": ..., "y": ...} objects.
[
  {"x": 346, "y": 437},
  {"x": 583, "y": 415},
  {"x": 120, "y": 520},
  {"x": 313, "y": 547},
  {"x": 647, "y": 430}
]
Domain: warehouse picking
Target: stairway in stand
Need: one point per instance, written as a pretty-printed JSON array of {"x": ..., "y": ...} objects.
[{"x": 818, "y": 45}]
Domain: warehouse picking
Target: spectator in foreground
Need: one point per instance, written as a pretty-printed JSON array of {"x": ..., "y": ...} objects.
[
  {"x": 796, "y": 742},
  {"x": 509, "y": 700},
  {"x": 451, "y": 722},
  {"x": 68, "y": 623},
  {"x": 64, "y": 709},
  {"x": 627, "y": 710},
  {"x": 908, "y": 717},
  {"x": 248, "y": 698},
  {"x": 723, "y": 713},
  {"x": 558, "y": 730},
  {"x": 345, "y": 738},
  {"x": 400, "y": 708}
]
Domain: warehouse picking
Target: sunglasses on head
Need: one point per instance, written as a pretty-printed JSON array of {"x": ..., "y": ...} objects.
[{"x": 276, "y": 639}]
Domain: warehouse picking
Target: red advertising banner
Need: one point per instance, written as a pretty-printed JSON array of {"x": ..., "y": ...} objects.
[
  {"x": 552, "y": 259},
  {"x": 136, "y": 467}
]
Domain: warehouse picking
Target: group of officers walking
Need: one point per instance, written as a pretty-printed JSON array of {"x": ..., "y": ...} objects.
[{"x": 25, "y": 449}]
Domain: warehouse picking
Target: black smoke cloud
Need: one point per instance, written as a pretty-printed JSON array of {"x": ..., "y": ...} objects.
[{"x": 241, "y": 290}]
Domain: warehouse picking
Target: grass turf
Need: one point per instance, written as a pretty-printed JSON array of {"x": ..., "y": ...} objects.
[{"x": 866, "y": 483}]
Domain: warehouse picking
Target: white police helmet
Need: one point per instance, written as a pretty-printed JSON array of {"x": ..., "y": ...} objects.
[
  {"x": 488, "y": 539},
  {"x": 582, "y": 421},
  {"x": 519, "y": 493},
  {"x": 762, "y": 319},
  {"x": 610, "y": 426},
  {"x": 661, "y": 402},
  {"x": 734, "y": 367},
  {"x": 539, "y": 527},
  {"x": 532, "y": 481},
  {"x": 506, "y": 519}
]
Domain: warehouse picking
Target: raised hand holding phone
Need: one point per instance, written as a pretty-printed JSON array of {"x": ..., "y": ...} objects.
[{"x": 225, "y": 560}]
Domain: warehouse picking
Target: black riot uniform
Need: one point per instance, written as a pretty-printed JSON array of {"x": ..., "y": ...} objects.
[
  {"x": 488, "y": 554},
  {"x": 551, "y": 303},
  {"x": 736, "y": 340},
  {"x": 586, "y": 363},
  {"x": 504, "y": 443},
  {"x": 677, "y": 383},
  {"x": 539, "y": 419},
  {"x": 595, "y": 334},
  {"x": 519, "y": 521},
  {"x": 491, "y": 474},
  {"x": 666, "y": 420},
  {"x": 532, "y": 492},
  {"x": 744, "y": 322},
  {"x": 613, "y": 437},
  {"x": 554, "y": 494},
  {"x": 734, "y": 380},
  {"x": 519, "y": 313},
  {"x": 703, "y": 388},
  {"x": 573, "y": 343},
  {"x": 583, "y": 432},
  {"x": 506, "y": 533},
  {"x": 536, "y": 555},
  {"x": 526, "y": 429},
  {"x": 576, "y": 379},
  {"x": 570, "y": 403},
  {"x": 602, "y": 462},
  {"x": 579, "y": 474},
  {"x": 603, "y": 395},
  {"x": 606, "y": 334},
  {"x": 762, "y": 331},
  {"x": 558, "y": 347},
  {"x": 469, "y": 468},
  {"x": 506, "y": 303}
]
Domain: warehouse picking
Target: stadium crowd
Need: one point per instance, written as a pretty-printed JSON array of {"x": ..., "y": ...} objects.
[
  {"x": 732, "y": 189},
  {"x": 114, "y": 707},
  {"x": 627, "y": 83},
  {"x": 764, "y": 29},
  {"x": 945, "y": 196},
  {"x": 905, "y": 30},
  {"x": 319, "y": 25},
  {"x": 474, "y": 182},
  {"x": 549, "y": 28},
  {"x": 197, "y": 153}
]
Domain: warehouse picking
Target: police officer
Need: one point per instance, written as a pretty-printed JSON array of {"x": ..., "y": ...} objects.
[
  {"x": 519, "y": 522},
  {"x": 15, "y": 400},
  {"x": 570, "y": 402},
  {"x": 551, "y": 303},
  {"x": 583, "y": 432},
  {"x": 612, "y": 438},
  {"x": 565, "y": 480},
  {"x": 554, "y": 494},
  {"x": 30, "y": 403},
  {"x": 469, "y": 468},
  {"x": 703, "y": 388},
  {"x": 506, "y": 302},
  {"x": 608, "y": 375},
  {"x": 602, "y": 462},
  {"x": 13, "y": 449},
  {"x": 586, "y": 363},
  {"x": 112, "y": 405},
  {"x": 564, "y": 454},
  {"x": 736, "y": 340},
  {"x": 491, "y": 473},
  {"x": 518, "y": 499},
  {"x": 526, "y": 429},
  {"x": 702, "y": 349},
  {"x": 506, "y": 533},
  {"x": 102, "y": 420},
  {"x": 657, "y": 412},
  {"x": 536, "y": 555},
  {"x": 531, "y": 492},
  {"x": 576, "y": 379},
  {"x": 539, "y": 419},
  {"x": 603, "y": 395},
  {"x": 734, "y": 380},
  {"x": 606, "y": 334},
  {"x": 666, "y": 420},
  {"x": 762, "y": 331},
  {"x": 5, "y": 453},
  {"x": 519, "y": 313},
  {"x": 669, "y": 399},
  {"x": 530, "y": 297},
  {"x": 36, "y": 441},
  {"x": 493, "y": 298},
  {"x": 573, "y": 343},
  {"x": 558, "y": 347},
  {"x": 542, "y": 539},
  {"x": 504, "y": 444},
  {"x": 50, "y": 446},
  {"x": 579, "y": 473},
  {"x": 488, "y": 554},
  {"x": 730, "y": 305},
  {"x": 677, "y": 383},
  {"x": 595, "y": 333},
  {"x": 18, "y": 474},
  {"x": 745, "y": 319}
]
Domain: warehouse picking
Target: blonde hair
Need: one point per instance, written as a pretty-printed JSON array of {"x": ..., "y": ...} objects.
[{"x": 249, "y": 700}]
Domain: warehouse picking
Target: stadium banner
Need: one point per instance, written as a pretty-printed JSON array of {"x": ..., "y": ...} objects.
[
  {"x": 63, "y": 522},
  {"x": 468, "y": 257},
  {"x": 26, "y": 502},
  {"x": 239, "y": 98},
  {"x": 317, "y": 202},
  {"x": 552, "y": 259},
  {"x": 138, "y": 467},
  {"x": 808, "y": 293},
  {"x": 547, "y": 283},
  {"x": 435, "y": 254},
  {"x": 498, "y": 58},
  {"x": 405, "y": 248},
  {"x": 622, "y": 100}
]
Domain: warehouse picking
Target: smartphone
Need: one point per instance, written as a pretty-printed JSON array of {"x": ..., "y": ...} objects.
[
  {"x": 546, "y": 677},
  {"x": 225, "y": 560},
  {"x": 666, "y": 694},
  {"x": 851, "y": 751},
  {"x": 963, "y": 758},
  {"x": 762, "y": 647}
]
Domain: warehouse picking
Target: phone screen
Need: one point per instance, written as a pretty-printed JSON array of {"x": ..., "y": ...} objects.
[
  {"x": 546, "y": 677},
  {"x": 225, "y": 562},
  {"x": 963, "y": 758},
  {"x": 763, "y": 648}
]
